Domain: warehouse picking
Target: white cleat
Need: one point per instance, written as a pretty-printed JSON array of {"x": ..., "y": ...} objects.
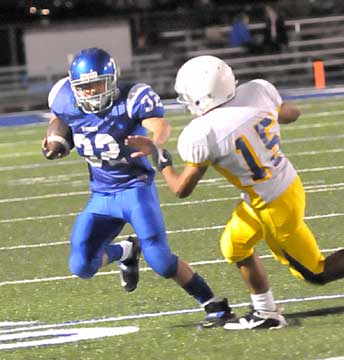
[{"x": 257, "y": 319}]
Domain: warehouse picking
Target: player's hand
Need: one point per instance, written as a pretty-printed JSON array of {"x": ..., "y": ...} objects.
[
  {"x": 45, "y": 151},
  {"x": 143, "y": 144},
  {"x": 51, "y": 153},
  {"x": 161, "y": 158}
]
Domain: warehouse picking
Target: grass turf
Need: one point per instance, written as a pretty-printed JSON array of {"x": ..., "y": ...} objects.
[{"x": 38, "y": 203}]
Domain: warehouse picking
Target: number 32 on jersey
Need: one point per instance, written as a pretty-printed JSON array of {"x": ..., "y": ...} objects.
[{"x": 101, "y": 141}]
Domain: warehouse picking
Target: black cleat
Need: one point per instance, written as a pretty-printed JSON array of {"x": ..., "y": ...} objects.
[
  {"x": 257, "y": 319},
  {"x": 218, "y": 313},
  {"x": 129, "y": 273}
]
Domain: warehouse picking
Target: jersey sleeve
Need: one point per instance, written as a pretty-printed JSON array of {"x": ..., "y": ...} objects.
[
  {"x": 54, "y": 102},
  {"x": 193, "y": 147},
  {"x": 59, "y": 97},
  {"x": 143, "y": 102},
  {"x": 269, "y": 91}
]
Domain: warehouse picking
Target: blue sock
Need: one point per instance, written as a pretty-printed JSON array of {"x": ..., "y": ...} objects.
[
  {"x": 114, "y": 252},
  {"x": 199, "y": 289}
]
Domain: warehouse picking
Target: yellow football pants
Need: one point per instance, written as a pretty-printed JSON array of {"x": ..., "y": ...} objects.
[{"x": 281, "y": 224}]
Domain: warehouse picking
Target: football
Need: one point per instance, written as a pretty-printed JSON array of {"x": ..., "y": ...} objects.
[{"x": 58, "y": 140}]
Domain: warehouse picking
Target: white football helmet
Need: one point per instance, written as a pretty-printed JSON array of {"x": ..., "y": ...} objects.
[{"x": 203, "y": 83}]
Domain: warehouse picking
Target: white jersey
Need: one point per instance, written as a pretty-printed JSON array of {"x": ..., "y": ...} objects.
[{"x": 241, "y": 139}]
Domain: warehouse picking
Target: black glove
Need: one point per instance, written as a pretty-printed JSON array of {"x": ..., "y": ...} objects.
[{"x": 161, "y": 158}]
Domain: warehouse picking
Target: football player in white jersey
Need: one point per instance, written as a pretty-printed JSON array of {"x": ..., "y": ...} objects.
[{"x": 237, "y": 131}]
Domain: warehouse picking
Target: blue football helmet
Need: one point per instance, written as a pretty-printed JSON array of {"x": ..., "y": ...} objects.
[{"x": 94, "y": 65}]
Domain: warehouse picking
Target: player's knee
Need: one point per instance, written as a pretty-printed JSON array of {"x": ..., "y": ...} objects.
[
  {"x": 230, "y": 254},
  {"x": 226, "y": 248},
  {"x": 167, "y": 269},
  {"x": 164, "y": 262},
  {"x": 300, "y": 271},
  {"x": 81, "y": 269},
  {"x": 315, "y": 279},
  {"x": 230, "y": 258}
]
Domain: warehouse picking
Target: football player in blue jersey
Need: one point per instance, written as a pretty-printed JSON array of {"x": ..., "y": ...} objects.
[{"x": 101, "y": 114}]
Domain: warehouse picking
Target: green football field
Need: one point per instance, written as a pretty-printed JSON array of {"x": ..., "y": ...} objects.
[{"x": 45, "y": 313}]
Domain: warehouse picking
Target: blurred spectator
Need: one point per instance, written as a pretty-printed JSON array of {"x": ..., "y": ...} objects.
[
  {"x": 141, "y": 43},
  {"x": 214, "y": 36},
  {"x": 275, "y": 33},
  {"x": 241, "y": 35}
]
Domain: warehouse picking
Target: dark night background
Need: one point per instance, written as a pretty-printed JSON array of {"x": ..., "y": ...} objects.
[{"x": 144, "y": 15}]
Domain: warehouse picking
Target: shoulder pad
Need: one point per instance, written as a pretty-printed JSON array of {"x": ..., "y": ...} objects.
[
  {"x": 55, "y": 90},
  {"x": 134, "y": 93}
]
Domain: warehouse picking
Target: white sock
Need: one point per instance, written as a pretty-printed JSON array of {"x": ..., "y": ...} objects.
[
  {"x": 263, "y": 301},
  {"x": 126, "y": 246}
]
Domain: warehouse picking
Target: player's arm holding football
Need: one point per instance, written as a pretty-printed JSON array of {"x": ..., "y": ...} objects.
[{"x": 57, "y": 142}]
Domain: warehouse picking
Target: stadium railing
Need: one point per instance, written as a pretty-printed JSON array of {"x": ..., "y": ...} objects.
[
  {"x": 310, "y": 39},
  {"x": 196, "y": 39}
]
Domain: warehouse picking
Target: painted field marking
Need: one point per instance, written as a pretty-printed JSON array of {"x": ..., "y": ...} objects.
[
  {"x": 112, "y": 272},
  {"x": 83, "y": 174},
  {"x": 62, "y": 333},
  {"x": 60, "y": 336},
  {"x": 164, "y": 313},
  {"x": 172, "y": 139}
]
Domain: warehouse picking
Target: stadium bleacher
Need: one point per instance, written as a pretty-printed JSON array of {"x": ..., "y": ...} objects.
[{"x": 310, "y": 39}]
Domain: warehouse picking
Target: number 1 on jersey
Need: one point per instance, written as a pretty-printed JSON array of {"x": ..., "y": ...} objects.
[{"x": 258, "y": 171}]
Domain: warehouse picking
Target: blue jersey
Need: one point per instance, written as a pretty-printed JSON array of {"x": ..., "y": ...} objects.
[{"x": 99, "y": 138}]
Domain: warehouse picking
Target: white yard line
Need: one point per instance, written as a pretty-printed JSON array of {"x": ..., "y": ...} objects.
[
  {"x": 56, "y": 179},
  {"x": 325, "y": 168},
  {"x": 300, "y": 126},
  {"x": 313, "y": 138},
  {"x": 66, "y": 177},
  {"x": 308, "y": 189},
  {"x": 169, "y": 232},
  {"x": 114, "y": 272},
  {"x": 41, "y": 165},
  {"x": 160, "y": 314},
  {"x": 315, "y": 152},
  {"x": 178, "y": 128}
]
